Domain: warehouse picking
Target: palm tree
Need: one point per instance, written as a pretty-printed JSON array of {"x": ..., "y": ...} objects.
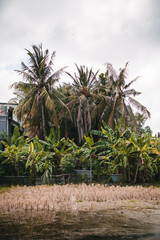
[
  {"x": 115, "y": 98},
  {"x": 36, "y": 106},
  {"x": 80, "y": 101}
]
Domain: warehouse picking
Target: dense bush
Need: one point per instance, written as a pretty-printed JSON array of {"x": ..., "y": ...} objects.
[{"x": 136, "y": 157}]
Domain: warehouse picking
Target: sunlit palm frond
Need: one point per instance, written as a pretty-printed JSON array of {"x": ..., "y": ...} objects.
[
  {"x": 34, "y": 108},
  {"x": 23, "y": 108},
  {"x": 50, "y": 106},
  {"x": 60, "y": 102}
]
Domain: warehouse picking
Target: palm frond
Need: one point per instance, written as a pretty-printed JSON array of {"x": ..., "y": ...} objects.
[
  {"x": 112, "y": 72},
  {"x": 130, "y": 83},
  {"x": 140, "y": 107},
  {"x": 122, "y": 76},
  {"x": 55, "y": 77},
  {"x": 132, "y": 92}
]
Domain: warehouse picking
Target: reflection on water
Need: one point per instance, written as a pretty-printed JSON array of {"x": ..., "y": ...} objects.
[{"x": 83, "y": 225}]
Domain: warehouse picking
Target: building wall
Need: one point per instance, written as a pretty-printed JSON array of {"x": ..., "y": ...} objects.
[
  {"x": 3, "y": 124},
  {"x": 7, "y": 120}
]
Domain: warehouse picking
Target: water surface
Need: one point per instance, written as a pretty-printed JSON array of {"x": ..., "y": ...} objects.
[{"x": 100, "y": 225}]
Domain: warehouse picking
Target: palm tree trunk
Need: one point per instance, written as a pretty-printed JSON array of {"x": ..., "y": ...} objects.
[
  {"x": 85, "y": 119},
  {"x": 80, "y": 123},
  {"x": 124, "y": 119},
  {"x": 88, "y": 118},
  {"x": 110, "y": 121},
  {"x": 43, "y": 121}
]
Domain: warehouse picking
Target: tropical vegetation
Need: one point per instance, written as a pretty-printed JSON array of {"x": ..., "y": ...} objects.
[
  {"x": 94, "y": 122},
  {"x": 38, "y": 97}
]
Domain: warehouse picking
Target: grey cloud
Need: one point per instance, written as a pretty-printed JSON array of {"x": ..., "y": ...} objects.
[
  {"x": 86, "y": 32},
  {"x": 3, "y": 3}
]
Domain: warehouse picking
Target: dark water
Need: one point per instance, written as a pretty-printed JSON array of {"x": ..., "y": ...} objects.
[{"x": 77, "y": 226}]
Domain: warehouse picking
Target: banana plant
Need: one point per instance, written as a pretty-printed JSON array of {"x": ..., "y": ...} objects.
[
  {"x": 62, "y": 150},
  {"x": 113, "y": 149},
  {"x": 144, "y": 154},
  {"x": 38, "y": 160},
  {"x": 107, "y": 139},
  {"x": 13, "y": 150}
]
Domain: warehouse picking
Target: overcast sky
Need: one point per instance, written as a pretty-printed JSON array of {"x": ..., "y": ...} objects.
[{"x": 86, "y": 32}]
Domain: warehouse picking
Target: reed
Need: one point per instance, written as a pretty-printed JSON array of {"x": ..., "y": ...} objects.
[{"x": 74, "y": 197}]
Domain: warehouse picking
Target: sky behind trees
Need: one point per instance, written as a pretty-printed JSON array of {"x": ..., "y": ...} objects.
[{"x": 86, "y": 32}]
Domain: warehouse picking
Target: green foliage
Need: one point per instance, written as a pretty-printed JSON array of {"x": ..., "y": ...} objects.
[
  {"x": 67, "y": 163},
  {"x": 144, "y": 152},
  {"x": 116, "y": 98},
  {"x": 81, "y": 101},
  {"x": 127, "y": 153},
  {"x": 136, "y": 157},
  {"x": 37, "y": 95},
  {"x": 95, "y": 111},
  {"x": 38, "y": 160},
  {"x": 140, "y": 121},
  {"x": 76, "y": 107},
  {"x": 13, "y": 154}
]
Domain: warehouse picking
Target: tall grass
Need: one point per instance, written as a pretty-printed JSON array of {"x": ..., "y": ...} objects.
[{"x": 71, "y": 197}]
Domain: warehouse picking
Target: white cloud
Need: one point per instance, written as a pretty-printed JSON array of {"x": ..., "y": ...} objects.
[{"x": 88, "y": 32}]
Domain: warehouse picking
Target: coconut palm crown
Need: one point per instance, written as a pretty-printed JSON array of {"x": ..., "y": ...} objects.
[
  {"x": 36, "y": 106},
  {"x": 81, "y": 101},
  {"x": 116, "y": 98}
]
